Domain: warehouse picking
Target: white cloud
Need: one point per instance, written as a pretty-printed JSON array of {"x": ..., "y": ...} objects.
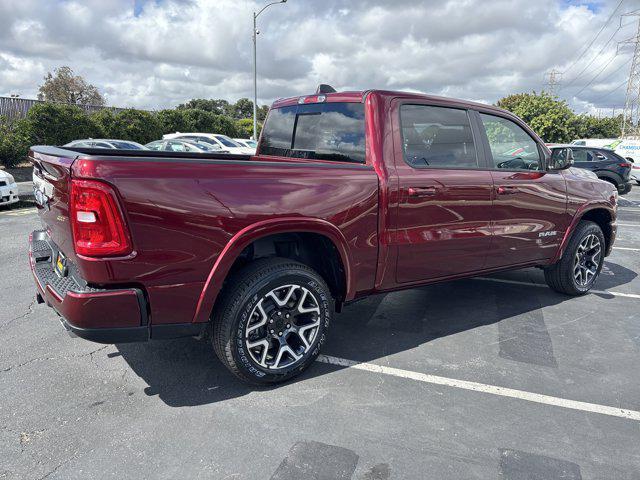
[{"x": 174, "y": 50}]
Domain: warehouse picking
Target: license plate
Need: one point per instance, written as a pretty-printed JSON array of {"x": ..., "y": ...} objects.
[{"x": 61, "y": 265}]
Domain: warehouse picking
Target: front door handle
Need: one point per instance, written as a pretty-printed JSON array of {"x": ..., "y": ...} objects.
[
  {"x": 422, "y": 191},
  {"x": 506, "y": 190}
]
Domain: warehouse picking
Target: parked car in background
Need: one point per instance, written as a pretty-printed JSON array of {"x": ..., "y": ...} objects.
[
  {"x": 247, "y": 142},
  {"x": 594, "y": 142},
  {"x": 179, "y": 145},
  {"x": 224, "y": 142},
  {"x": 106, "y": 143},
  {"x": 8, "y": 189},
  {"x": 605, "y": 163},
  {"x": 635, "y": 173},
  {"x": 350, "y": 194}
]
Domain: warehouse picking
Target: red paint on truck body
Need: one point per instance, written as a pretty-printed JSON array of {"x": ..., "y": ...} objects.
[{"x": 392, "y": 225}]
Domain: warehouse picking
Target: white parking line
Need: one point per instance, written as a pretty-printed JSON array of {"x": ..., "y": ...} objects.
[
  {"x": 544, "y": 285},
  {"x": 628, "y": 224},
  {"x": 485, "y": 388},
  {"x": 627, "y": 248}
]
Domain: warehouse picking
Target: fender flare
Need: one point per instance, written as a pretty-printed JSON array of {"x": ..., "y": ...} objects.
[
  {"x": 576, "y": 219},
  {"x": 255, "y": 231}
]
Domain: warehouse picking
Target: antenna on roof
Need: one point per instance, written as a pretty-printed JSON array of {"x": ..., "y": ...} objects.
[{"x": 325, "y": 88}]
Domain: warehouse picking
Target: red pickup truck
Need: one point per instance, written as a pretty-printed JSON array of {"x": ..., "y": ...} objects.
[{"x": 349, "y": 194}]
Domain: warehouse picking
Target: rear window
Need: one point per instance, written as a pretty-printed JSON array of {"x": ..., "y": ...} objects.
[{"x": 323, "y": 131}]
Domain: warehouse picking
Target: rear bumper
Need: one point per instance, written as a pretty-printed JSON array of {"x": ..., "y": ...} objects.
[{"x": 101, "y": 315}]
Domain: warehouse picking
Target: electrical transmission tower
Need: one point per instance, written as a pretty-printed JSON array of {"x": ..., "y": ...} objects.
[
  {"x": 631, "y": 113},
  {"x": 554, "y": 79}
]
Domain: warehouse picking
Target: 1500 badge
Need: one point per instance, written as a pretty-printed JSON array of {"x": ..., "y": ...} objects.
[{"x": 551, "y": 233}]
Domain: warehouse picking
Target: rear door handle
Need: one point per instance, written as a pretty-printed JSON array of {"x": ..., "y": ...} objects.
[
  {"x": 506, "y": 190},
  {"x": 422, "y": 191}
]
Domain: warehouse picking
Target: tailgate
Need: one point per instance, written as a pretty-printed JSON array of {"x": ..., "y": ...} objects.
[{"x": 52, "y": 188}]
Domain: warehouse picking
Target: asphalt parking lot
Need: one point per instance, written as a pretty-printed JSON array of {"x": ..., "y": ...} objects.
[{"x": 476, "y": 379}]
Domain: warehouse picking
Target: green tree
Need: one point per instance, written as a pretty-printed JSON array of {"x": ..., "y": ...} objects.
[
  {"x": 172, "y": 121},
  {"x": 14, "y": 142},
  {"x": 244, "y": 126},
  {"x": 588, "y": 126},
  {"x": 243, "y": 108},
  {"x": 219, "y": 106},
  {"x": 64, "y": 87},
  {"x": 548, "y": 116},
  {"x": 137, "y": 125},
  {"x": 56, "y": 124}
]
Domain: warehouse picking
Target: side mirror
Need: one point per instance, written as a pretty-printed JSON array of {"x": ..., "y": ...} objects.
[{"x": 561, "y": 159}]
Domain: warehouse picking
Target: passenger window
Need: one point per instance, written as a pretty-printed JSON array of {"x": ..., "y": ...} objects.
[
  {"x": 175, "y": 147},
  {"x": 511, "y": 146},
  {"x": 437, "y": 137},
  {"x": 581, "y": 155}
]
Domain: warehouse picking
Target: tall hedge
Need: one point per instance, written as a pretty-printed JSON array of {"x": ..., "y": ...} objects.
[
  {"x": 56, "y": 124},
  {"x": 14, "y": 142}
]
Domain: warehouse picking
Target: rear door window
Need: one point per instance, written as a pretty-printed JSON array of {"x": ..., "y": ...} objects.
[
  {"x": 323, "y": 131},
  {"x": 437, "y": 137}
]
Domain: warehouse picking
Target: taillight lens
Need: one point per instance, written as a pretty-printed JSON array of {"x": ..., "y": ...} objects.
[
  {"x": 624, "y": 165},
  {"x": 98, "y": 226}
]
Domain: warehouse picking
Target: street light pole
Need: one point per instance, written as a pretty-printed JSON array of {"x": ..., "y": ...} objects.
[{"x": 255, "y": 67}]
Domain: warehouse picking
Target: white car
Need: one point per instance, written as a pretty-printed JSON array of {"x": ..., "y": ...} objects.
[
  {"x": 224, "y": 142},
  {"x": 8, "y": 189},
  {"x": 247, "y": 142}
]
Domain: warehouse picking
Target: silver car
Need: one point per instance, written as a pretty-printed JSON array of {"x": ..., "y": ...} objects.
[
  {"x": 181, "y": 145},
  {"x": 8, "y": 189},
  {"x": 106, "y": 143}
]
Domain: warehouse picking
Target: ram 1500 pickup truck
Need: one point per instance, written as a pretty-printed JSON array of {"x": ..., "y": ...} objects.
[{"x": 349, "y": 194}]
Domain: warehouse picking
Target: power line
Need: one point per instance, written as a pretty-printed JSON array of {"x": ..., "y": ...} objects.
[
  {"x": 554, "y": 79},
  {"x": 597, "y": 75},
  {"x": 610, "y": 92},
  {"x": 596, "y": 56},
  {"x": 594, "y": 38},
  {"x": 631, "y": 114}
]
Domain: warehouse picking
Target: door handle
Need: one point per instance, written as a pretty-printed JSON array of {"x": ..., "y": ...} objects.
[
  {"x": 506, "y": 190},
  {"x": 422, "y": 191}
]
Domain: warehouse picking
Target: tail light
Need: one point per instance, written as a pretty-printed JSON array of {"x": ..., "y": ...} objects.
[
  {"x": 99, "y": 228},
  {"x": 625, "y": 165}
]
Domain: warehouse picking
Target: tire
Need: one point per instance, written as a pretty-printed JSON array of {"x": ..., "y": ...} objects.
[
  {"x": 561, "y": 276},
  {"x": 610, "y": 180},
  {"x": 265, "y": 298},
  {"x": 626, "y": 188}
]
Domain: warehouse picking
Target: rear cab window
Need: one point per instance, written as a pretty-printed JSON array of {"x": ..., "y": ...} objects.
[{"x": 333, "y": 131}]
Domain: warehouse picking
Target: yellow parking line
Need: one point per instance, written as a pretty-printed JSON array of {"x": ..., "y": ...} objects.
[{"x": 19, "y": 213}]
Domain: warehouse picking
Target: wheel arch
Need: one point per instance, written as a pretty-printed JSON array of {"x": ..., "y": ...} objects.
[
  {"x": 606, "y": 174},
  {"x": 602, "y": 215},
  {"x": 257, "y": 235}
]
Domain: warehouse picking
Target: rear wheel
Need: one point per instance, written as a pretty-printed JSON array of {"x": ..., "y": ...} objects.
[
  {"x": 576, "y": 272},
  {"x": 271, "y": 320}
]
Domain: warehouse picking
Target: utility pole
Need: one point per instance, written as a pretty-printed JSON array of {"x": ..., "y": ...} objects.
[
  {"x": 631, "y": 112},
  {"x": 255, "y": 66},
  {"x": 554, "y": 79}
]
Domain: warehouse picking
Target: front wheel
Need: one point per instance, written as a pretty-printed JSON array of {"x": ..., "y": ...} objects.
[
  {"x": 271, "y": 320},
  {"x": 576, "y": 272}
]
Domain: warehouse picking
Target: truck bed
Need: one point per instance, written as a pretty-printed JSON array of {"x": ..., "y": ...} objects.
[{"x": 183, "y": 209}]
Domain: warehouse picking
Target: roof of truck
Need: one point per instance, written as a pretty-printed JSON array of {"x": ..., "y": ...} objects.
[{"x": 361, "y": 95}]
